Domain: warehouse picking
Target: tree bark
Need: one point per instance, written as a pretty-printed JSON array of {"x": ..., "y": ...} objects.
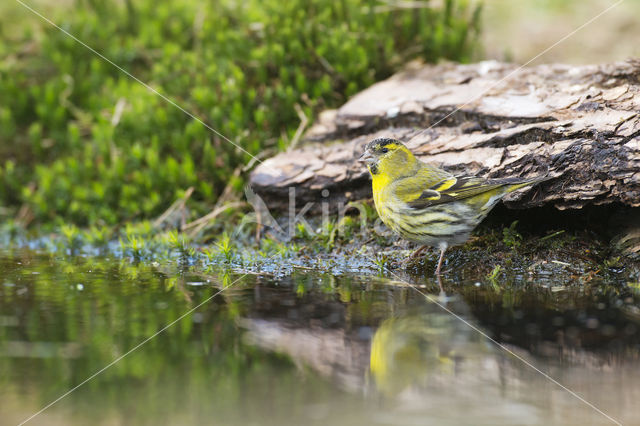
[{"x": 581, "y": 124}]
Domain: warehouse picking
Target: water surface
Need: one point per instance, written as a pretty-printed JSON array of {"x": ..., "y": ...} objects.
[{"x": 308, "y": 348}]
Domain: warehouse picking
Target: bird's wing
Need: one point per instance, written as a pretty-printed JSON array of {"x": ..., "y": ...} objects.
[{"x": 425, "y": 189}]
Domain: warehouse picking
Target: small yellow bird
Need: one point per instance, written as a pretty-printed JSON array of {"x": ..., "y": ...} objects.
[{"x": 428, "y": 205}]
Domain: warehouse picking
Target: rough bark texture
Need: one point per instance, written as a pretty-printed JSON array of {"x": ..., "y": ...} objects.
[{"x": 582, "y": 123}]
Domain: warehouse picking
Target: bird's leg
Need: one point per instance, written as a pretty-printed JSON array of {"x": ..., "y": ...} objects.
[
  {"x": 440, "y": 262},
  {"x": 418, "y": 252},
  {"x": 442, "y": 293},
  {"x": 443, "y": 248}
]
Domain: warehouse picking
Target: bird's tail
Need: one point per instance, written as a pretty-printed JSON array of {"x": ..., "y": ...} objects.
[{"x": 517, "y": 183}]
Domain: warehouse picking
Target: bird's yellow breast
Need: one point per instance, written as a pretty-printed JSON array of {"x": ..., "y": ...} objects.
[{"x": 380, "y": 186}]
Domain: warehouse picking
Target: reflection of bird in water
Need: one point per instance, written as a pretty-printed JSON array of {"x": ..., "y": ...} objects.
[{"x": 407, "y": 352}]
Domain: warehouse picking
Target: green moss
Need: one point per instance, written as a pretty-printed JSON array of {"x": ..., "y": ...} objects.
[
  {"x": 510, "y": 236},
  {"x": 83, "y": 143},
  {"x": 226, "y": 248},
  {"x": 495, "y": 273}
]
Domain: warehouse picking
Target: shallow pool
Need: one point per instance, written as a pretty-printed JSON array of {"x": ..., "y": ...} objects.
[{"x": 164, "y": 344}]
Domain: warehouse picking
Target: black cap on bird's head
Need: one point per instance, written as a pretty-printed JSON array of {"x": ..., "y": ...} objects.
[{"x": 379, "y": 147}]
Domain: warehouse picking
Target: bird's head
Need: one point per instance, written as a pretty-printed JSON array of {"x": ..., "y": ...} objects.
[{"x": 387, "y": 156}]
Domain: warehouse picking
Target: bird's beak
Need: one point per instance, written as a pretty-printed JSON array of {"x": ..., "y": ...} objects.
[{"x": 367, "y": 157}]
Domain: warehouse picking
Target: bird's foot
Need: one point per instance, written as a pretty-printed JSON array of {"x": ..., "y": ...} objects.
[{"x": 418, "y": 252}]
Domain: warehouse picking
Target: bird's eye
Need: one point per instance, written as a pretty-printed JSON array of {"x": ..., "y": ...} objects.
[{"x": 384, "y": 150}]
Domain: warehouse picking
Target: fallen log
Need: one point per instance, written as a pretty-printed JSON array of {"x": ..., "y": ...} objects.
[{"x": 581, "y": 123}]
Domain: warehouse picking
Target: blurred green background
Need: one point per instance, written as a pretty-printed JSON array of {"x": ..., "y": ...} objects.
[
  {"x": 519, "y": 30},
  {"x": 81, "y": 142}
]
